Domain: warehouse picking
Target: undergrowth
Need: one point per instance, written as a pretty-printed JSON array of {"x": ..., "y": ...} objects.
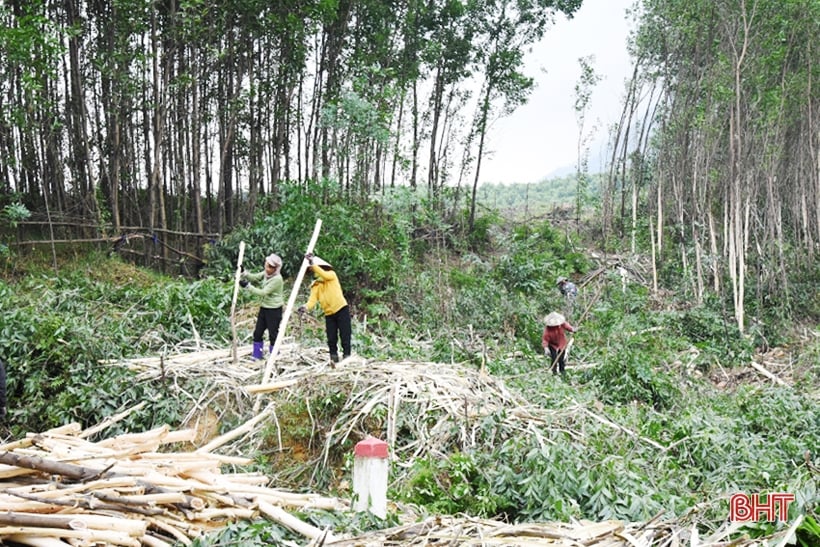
[{"x": 643, "y": 428}]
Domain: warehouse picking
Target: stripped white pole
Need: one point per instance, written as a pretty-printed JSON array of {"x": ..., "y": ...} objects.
[
  {"x": 233, "y": 302},
  {"x": 274, "y": 353},
  {"x": 299, "y": 526},
  {"x": 234, "y": 433}
]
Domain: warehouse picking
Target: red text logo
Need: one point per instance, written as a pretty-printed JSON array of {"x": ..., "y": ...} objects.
[{"x": 746, "y": 507}]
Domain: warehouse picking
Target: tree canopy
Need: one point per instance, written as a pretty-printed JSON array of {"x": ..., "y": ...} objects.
[{"x": 179, "y": 115}]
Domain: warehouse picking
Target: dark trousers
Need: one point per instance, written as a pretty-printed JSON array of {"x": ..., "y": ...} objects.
[
  {"x": 268, "y": 318},
  {"x": 561, "y": 361},
  {"x": 338, "y": 326}
]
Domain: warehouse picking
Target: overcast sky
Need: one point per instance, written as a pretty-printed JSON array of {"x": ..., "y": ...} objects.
[{"x": 541, "y": 136}]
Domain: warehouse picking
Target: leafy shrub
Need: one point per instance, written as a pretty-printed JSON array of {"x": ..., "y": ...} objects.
[
  {"x": 13, "y": 213},
  {"x": 627, "y": 376},
  {"x": 451, "y": 485},
  {"x": 522, "y": 481},
  {"x": 480, "y": 238},
  {"x": 365, "y": 248},
  {"x": 257, "y": 533},
  {"x": 53, "y": 343}
]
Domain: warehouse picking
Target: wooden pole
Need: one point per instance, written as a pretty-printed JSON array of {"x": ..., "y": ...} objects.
[
  {"x": 288, "y": 309},
  {"x": 110, "y": 421},
  {"x": 286, "y": 519},
  {"x": 233, "y": 302},
  {"x": 233, "y": 434}
]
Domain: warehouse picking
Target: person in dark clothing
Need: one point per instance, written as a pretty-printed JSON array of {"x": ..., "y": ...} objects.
[
  {"x": 554, "y": 340},
  {"x": 570, "y": 292}
]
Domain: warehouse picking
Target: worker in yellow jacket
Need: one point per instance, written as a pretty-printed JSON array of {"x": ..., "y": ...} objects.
[{"x": 327, "y": 291}]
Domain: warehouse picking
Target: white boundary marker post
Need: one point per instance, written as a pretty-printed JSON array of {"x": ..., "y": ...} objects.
[{"x": 370, "y": 476}]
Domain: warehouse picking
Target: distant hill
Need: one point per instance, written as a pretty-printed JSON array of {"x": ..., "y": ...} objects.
[
  {"x": 597, "y": 162},
  {"x": 526, "y": 200}
]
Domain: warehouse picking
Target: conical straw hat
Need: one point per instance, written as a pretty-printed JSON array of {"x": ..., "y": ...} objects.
[
  {"x": 321, "y": 263},
  {"x": 554, "y": 319}
]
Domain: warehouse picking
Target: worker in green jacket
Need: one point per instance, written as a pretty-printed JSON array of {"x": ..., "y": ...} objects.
[{"x": 269, "y": 293}]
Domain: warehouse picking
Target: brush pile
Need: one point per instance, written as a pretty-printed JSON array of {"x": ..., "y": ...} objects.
[
  {"x": 465, "y": 531},
  {"x": 421, "y": 410}
]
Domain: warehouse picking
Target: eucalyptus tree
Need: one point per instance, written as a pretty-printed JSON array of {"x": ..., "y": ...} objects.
[
  {"x": 583, "y": 92},
  {"x": 291, "y": 26},
  {"x": 736, "y": 149},
  {"x": 504, "y": 30},
  {"x": 376, "y": 74},
  {"x": 447, "y": 27},
  {"x": 110, "y": 45},
  {"x": 408, "y": 73},
  {"x": 31, "y": 127}
]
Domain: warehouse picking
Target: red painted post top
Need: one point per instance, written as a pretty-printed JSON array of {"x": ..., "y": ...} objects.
[{"x": 371, "y": 447}]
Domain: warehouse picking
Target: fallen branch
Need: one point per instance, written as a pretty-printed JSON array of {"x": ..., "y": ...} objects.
[
  {"x": 619, "y": 427},
  {"x": 768, "y": 374},
  {"x": 284, "y": 518},
  {"x": 230, "y": 435}
]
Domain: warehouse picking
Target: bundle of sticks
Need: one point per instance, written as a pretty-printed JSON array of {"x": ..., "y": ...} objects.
[{"x": 57, "y": 488}]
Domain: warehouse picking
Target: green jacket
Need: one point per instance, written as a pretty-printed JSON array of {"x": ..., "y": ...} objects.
[{"x": 269, "y": 291}]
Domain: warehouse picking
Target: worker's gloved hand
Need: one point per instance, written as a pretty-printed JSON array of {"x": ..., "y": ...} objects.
[
  {"x": 546, "y": 351},
  {"x": 243, "y": 283},
  {"x": 309, "y": 258},
  {"x": 301, "y": 310},
  {"x": 2, "y": 413}
]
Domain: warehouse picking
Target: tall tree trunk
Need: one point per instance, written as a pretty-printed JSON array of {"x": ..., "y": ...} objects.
[
  {"x": 78, "y": 119},
  {"x": 436, "y": 105},
  {"x": 482, "y": 132}
]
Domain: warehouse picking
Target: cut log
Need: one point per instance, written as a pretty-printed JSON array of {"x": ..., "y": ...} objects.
[
  {"x": 151, "y": 541},
  {"x": 176, "y": 533},
  {"x": 74, "y": 472},
  {"x": 134, "y": 528},
  {"x": 89, "y": 537},
  {"x": 38, "y": 542},
  {"x": 239, "y": 431},
  {"x": 289, "y": 521}
]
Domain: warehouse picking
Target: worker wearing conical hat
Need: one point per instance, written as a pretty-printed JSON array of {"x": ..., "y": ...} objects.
[
  {"x": 327, "y": 291},
  {"x": 554, "y": 340}
]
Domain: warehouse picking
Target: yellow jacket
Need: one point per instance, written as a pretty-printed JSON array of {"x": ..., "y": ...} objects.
[{"x": 326, "y": 290}]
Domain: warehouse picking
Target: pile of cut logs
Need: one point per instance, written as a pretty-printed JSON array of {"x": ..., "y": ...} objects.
[{"x": 57, "y": 488}]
